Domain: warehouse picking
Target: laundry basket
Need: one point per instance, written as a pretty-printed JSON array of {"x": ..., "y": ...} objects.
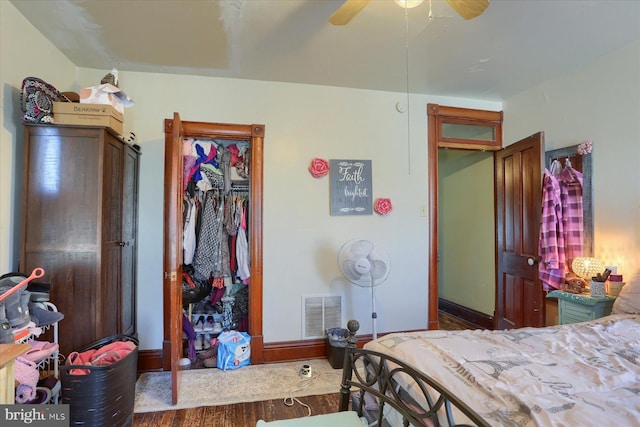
[{"x": 101, "y": 395}]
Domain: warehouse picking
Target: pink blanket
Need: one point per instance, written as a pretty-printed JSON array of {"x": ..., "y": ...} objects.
[{"x": 106, "y": 355}]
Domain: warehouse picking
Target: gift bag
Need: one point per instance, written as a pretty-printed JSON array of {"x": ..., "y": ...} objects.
[
  {"x": 37, "y": 98},
  {"x": 234, "y": 350}
]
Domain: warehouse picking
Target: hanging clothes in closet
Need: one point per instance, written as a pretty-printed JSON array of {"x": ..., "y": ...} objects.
[
  {"x": 215, "y": 249},
  {"x": 561, "y": 228}
]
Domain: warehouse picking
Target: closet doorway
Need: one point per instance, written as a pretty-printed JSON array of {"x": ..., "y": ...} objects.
[
  {"x": 176, "y": 131},
  {"x": 456, "y": 129}
]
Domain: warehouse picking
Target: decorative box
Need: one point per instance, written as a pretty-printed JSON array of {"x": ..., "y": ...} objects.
[
  {"x": 74, "y": 113},
  {"x": 597, "y": 289}
]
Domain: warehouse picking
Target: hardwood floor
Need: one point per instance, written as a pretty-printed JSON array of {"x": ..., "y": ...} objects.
[
  {"x": 452, "y": 323},
  {"x": 248, "y": 414},
  {"x": 239, "y": 415}
]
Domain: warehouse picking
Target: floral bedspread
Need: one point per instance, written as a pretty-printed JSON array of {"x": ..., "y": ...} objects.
[{"x": 583, "y": 374}]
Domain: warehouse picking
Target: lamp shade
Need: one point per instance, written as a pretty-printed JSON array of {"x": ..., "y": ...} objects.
[{"x": 587, "y": 267}]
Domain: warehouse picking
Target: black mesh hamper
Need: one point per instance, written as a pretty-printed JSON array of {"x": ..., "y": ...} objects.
[{"x": 106, "y": 395}]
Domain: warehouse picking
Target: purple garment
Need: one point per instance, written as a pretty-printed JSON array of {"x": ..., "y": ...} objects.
[
  {"x": 216, "y": 295},
  {"x": 187, "y": 328},
  {"x": 570, "y": 181}
]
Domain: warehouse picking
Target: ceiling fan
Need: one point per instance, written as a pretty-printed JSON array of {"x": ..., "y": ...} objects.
[{"x": 468, "y": 9}]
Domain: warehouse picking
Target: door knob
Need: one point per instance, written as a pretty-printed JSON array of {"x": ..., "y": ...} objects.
[{"x": 531, "y": 261}]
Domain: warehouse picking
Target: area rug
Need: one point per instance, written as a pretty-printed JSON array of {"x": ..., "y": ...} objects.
[{"x": 214, "y": 387}]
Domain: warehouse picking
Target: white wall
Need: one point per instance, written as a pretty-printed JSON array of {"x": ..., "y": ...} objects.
[
  {"x": 301, "y": 239},
  {"x": 601, "y": 103},
  {"x": 24, "y": 52}
]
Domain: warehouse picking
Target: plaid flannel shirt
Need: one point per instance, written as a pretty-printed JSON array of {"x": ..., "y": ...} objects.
[{"x": 561, "y": 226}]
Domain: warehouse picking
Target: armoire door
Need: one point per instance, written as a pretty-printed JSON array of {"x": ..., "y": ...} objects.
[
  {"x": 111, "y": 270},
  {"x": 129, "y": 245},
  {"x": 175, "y": 131},
  {"x": 119, "y": 230}
]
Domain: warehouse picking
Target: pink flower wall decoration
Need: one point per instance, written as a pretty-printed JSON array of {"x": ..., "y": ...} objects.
[
  {"x": 585, "y": 147},
  {"x": 319, "y": 167},
  {"x": 382, "y": 206}
]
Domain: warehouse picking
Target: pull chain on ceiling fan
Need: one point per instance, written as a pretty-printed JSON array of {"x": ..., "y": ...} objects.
[{"x": 468, "y": 9}]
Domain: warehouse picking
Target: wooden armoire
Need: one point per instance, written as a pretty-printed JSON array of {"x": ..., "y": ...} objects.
[
  {"x": 79, "y": 222},
  {"x": 176, "y": 131}
]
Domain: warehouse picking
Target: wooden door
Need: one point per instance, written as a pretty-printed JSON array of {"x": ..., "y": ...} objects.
[
  {"x": 172, "y": 260},
  {"x": 518, "y": 175},
  {"x": 175, "y": 131}
]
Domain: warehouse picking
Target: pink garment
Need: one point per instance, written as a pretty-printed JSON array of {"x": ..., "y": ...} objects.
[
  {"x": 187, "y": 146},
  {"x": 105, "y": 355},
  {"x": 189, "y": 162},
  {"x": 26, "y": 373}
]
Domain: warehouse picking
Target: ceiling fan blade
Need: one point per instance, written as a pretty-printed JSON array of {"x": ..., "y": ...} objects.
[
  {"x": 469, "y": 9},
  {"x": 348, "y": 11}
]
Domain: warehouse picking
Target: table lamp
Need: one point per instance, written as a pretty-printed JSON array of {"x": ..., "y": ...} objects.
[{"x": 587, "y": 267}]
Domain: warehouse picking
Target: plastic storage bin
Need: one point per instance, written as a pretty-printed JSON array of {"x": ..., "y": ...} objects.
[
  {"x": 335, "y": 343},
  {"x": 105, "y": 395}
]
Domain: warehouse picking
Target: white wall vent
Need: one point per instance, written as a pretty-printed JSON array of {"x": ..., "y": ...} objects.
[{"x": 319, "y": 313}]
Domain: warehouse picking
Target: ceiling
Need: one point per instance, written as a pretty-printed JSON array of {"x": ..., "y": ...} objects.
[{"x": 513, "y": 46}]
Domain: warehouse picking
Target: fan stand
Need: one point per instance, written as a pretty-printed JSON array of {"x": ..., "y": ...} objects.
[{"x": 374, "y": 315}]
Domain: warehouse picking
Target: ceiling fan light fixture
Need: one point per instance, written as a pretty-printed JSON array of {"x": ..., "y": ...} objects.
[{"x": 408, "y": 4}]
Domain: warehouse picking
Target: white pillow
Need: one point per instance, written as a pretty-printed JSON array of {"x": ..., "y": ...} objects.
[{"x": 628, "y": 300}]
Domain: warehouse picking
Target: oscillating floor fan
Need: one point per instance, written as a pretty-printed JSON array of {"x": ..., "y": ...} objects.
[{"x": 366, "y": 266}]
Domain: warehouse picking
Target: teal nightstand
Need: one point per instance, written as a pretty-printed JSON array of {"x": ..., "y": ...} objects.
[{"x": 574, "y": 308}]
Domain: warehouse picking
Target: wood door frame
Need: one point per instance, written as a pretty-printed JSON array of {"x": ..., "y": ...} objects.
[
  {"x": 436, "y": 114},
  {"x": 254, "y": 134}
]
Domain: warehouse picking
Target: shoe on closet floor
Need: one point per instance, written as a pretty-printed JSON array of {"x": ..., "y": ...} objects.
[
  {"x": 40, "y": 350},
  {"x": 50, "y": 382},
  {"x": 43, "y": 395},
  {"x": 199, "y": 325},
  {"x": 208, "y": 326},
  {"x": 206, "y": 354},
  {"x": 217, "y": 328},
  {"x": 198, "y": 343},
  {"x": 206, "y": 345},
  {"x": 210, "y": 362}
]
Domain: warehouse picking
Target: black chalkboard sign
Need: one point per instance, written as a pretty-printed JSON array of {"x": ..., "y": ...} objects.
[{"x": 351, "y": 187}]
